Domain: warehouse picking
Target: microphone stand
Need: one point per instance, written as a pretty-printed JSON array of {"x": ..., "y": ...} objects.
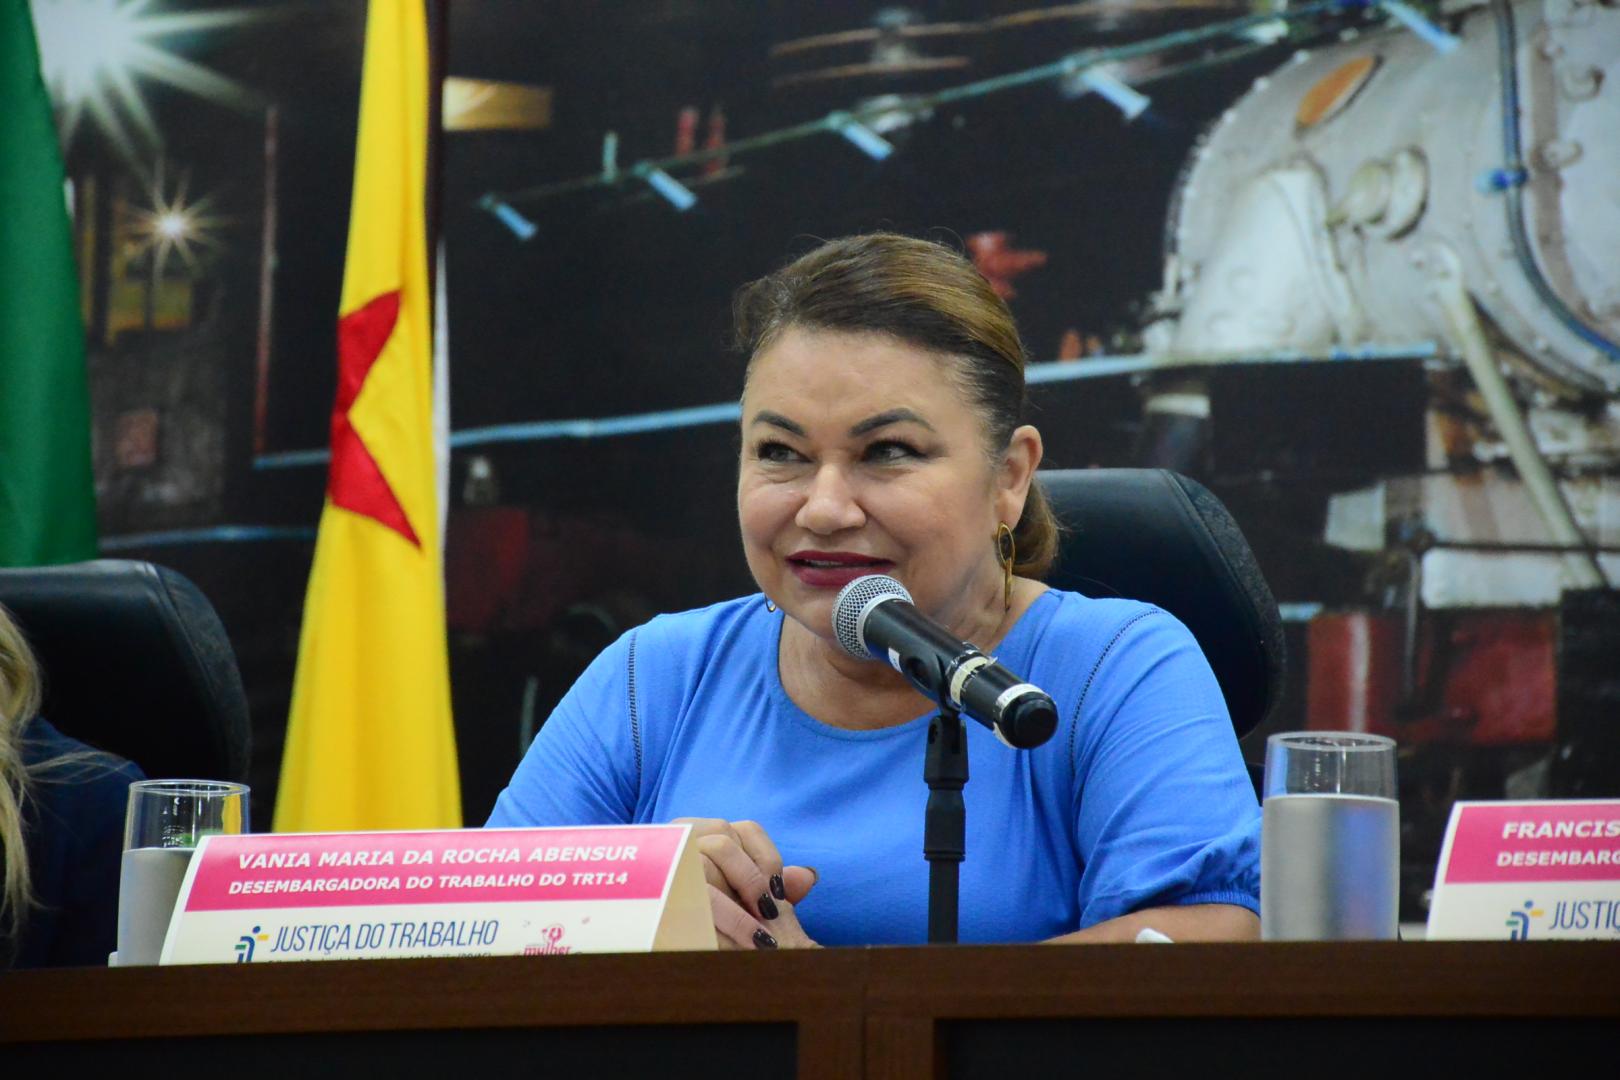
[{"x": 945, "y": 769}]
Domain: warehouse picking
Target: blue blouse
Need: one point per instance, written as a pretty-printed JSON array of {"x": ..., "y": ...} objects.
[{"x": 1140, "y": 799}]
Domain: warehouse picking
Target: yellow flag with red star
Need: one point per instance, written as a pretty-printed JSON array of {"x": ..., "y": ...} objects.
[{"x": 370, "y": 742}]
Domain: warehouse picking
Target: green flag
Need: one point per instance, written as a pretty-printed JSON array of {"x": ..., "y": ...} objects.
[{"x": 47, "y": 492}]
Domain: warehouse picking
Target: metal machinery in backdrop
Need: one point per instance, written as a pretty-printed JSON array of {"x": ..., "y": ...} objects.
[{"x": 1462, "y": 191}]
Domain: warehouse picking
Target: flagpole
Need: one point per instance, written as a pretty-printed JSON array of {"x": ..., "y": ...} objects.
[
  {"x": 438, "y": 33},
  {"x": 267, "y": 283},
  {"x": 438, "y": 23}
]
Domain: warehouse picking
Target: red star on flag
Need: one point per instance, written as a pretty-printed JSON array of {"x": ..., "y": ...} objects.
[{"x": 355, "y": 482}]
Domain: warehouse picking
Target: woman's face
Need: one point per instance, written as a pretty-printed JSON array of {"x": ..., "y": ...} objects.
[{"x": 860, "y": 455}]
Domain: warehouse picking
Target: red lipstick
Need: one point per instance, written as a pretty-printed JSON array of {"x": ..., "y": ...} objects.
[{"x": 834, "y": 569}]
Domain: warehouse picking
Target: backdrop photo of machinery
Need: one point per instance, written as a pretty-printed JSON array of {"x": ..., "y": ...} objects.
[{"x": 1351, "y": 265}]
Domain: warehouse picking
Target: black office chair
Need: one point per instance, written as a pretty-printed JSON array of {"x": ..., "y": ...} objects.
[
  {"x": 136, "y": 663},
  {"x": 1159, "y": 537}
]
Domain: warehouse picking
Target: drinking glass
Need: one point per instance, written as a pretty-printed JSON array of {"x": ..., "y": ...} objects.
[
  {"x": 1330, "y": 838},
  {"x": 165, "y": 821}
]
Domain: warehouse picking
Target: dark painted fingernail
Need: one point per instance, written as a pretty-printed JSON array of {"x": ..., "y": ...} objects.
[
  {"x": 767, "y": 906},
  {"x": 778, "y": 890},
  {"x": 762, "y": 940}
]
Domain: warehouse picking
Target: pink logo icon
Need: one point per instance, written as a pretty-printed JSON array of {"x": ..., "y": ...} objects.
[{"x": 551, "y": 945}]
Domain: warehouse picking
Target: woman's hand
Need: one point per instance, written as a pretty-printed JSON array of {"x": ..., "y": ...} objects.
[{"x": 751, "y": 894}]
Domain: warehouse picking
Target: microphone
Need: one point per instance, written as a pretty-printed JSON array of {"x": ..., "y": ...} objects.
[{"x": 874, "y": 618}]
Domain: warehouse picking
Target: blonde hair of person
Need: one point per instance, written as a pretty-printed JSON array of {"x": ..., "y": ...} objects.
[{"x": 19, "y": 699}]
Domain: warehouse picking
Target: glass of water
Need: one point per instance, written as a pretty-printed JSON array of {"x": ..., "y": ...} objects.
[
  {"x": 1330, "y": 838},
  {"x": 165, "y": 822}
]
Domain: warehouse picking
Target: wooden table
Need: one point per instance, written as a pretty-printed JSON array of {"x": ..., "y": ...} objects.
[{"x": 1522, "y": 1009}]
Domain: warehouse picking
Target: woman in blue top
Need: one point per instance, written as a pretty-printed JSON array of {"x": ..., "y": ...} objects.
[{"x": 882, "y": 433}]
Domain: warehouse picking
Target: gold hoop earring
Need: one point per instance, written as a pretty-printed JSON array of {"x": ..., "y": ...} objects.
[
  {"x": 1006, "y": 555},
  {"x": 770, "y": 605}
]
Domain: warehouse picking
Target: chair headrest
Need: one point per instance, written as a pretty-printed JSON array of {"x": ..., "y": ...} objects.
[
  {"x": 1162, "y": 538},
  {"x": 135, "y": 662}
]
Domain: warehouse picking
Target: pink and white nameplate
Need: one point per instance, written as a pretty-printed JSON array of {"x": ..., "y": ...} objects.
[
  {"x": 1529, "y": 871},
  {"x": 456, "y": 892}
]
